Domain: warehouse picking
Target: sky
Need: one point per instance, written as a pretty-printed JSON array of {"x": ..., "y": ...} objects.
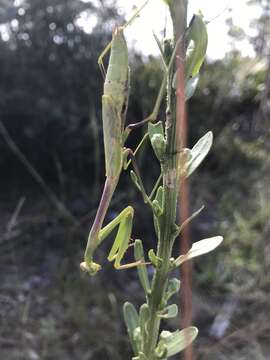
[{"x": 153, "y": 16}]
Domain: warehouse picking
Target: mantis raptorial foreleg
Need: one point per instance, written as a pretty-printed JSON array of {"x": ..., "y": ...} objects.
[{"x": 121, "y": 243}]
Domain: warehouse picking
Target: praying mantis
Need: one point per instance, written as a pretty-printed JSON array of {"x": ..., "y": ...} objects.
[{"x": 114, "y": 110}]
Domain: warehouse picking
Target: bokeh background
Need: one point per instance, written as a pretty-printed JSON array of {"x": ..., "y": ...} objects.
[{"x": 52, "y": 172}]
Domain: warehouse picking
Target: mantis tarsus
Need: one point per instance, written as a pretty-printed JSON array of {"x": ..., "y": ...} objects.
[{"x": 114, "y": 108}]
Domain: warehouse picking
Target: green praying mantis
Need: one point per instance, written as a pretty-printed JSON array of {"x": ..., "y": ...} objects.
[{"x": 114, "y": 109}]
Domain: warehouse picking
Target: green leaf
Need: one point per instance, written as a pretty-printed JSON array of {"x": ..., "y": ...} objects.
[
  {"x": 157, "y": 138},
  {"x": 132, "y": 322},
  {"x": 169, "y": 312},
  {"x": 191, "y": 86},
  {"x": 158, "y": 204},
  {"x": 155, "y": 128},
  {"x": 197, "y": 33},
  {"x": 198, "y": 153},
  {"x": 137, "y": 335},
  {"x": 177, "y": 341},
  {"x": 156, "y": 208},
  {"x": 173, "y": 288},
  {"x": 142, "y": 270},
  {"x": 199, "y": 248},
  {"x": 144, "y": 317},
  {"x": 185, "y": 157}
]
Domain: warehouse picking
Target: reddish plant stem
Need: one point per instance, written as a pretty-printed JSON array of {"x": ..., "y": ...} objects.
[{"x": 186, "y": 270}]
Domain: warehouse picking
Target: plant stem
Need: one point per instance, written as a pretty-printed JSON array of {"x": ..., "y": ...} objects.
[
  {"x": 178, "y": 10},
  {"x": 167, "y": 236}
]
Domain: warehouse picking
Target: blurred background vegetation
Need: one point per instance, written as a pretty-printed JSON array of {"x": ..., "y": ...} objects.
[{"x": 52, "y": 153}]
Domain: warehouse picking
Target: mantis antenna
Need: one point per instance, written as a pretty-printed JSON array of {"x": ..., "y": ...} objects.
[{"x": 120, "y": 28}]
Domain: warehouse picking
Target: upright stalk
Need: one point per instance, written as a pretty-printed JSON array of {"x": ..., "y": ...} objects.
[{"x": 178, "y": 10}]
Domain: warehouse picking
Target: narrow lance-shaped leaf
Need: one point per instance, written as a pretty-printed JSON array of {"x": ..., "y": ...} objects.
[
  {"x": 158, "y": 205},
  {"x": 199, "y": 248},
  {"x": 132, "y": 322},
  {"x": 144, "y": 317},
  {"x": 142, "y": 270},
  {"x": 197, "y": 39},
  {"x": 197, "y": 33}
]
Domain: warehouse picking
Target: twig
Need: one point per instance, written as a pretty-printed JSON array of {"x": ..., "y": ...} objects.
[
  {"x": 13, "y": 220},
  {"x": 50, "y": 194}
]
